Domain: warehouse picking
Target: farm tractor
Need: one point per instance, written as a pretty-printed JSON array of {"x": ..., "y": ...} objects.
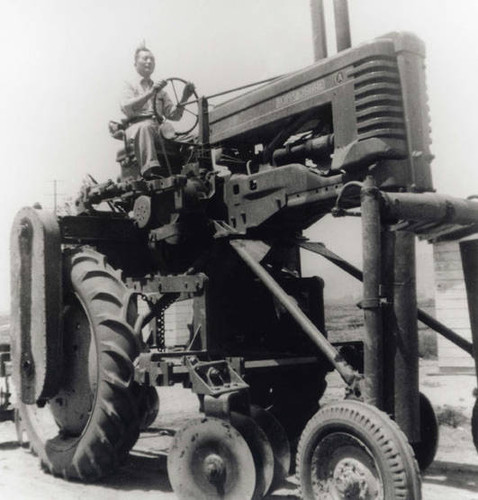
[{"x": 222, "y": 233}]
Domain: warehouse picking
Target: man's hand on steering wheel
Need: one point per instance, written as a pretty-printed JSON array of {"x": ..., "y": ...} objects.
[
  {"x": 158, "y": 86},
  {"x": 188, "y": 91}
]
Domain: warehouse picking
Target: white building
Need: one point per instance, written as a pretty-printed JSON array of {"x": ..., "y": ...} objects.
[{"x": 451, "y": 303}]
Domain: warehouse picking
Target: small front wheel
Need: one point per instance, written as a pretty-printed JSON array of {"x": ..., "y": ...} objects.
[{"x": 350, "y": 450}]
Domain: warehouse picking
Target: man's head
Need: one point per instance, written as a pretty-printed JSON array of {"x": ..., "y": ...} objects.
[{"x": 144, "y": 62}]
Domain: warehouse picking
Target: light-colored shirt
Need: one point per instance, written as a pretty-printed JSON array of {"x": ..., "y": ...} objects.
[{"x": 164, "y": 104}]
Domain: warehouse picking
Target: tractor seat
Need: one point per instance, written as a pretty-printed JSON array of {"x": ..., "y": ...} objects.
[
  {"x": 116, "y": 129},
  {"x": 125, "y": 156}
]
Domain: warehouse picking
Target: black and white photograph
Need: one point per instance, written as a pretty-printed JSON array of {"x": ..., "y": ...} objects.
[{"x": 239, "y": 250}]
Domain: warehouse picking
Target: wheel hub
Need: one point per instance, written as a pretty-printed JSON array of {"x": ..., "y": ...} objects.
[
  {"x": 353, "y": 480},
  {"x": 342, "y": 468},
  {"x": 214, "y": 468}
]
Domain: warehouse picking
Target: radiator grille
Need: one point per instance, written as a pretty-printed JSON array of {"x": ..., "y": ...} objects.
[{"x": 378, "y": 99}]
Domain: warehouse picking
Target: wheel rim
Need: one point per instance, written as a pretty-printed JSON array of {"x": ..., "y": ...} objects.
[
  {"x": 63, "y": 419},
  {"x": 342, "y": 467},
  {"x": 261, "y": 450}
]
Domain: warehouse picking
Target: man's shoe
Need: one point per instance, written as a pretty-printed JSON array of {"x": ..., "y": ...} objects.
[{"x": 153, "y": 172}]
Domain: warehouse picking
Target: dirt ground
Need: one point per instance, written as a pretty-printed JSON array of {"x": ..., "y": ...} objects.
[{"x": 453, "y": 475}]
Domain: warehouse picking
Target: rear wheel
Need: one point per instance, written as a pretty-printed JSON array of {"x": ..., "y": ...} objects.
[
  {"x": 474, "y": 424},
  {"x": 350, "y": 450},
  {"x": 425, "y": 450},
  {"x": 92, "y": 422}
]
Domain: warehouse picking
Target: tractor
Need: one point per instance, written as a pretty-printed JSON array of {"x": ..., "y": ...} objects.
[{"x": 223, "y": 233}]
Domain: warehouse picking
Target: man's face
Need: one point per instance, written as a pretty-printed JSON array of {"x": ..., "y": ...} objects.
[{"x": 144, "y": 63}]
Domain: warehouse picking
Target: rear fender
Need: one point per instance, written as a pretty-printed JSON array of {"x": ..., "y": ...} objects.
[{"x": 36, "y": 304}]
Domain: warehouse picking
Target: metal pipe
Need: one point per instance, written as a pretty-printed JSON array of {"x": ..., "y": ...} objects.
[
  {"x": 373, "y": 338},
  {"x": 348, "y": 374},
  {"x": 429, "y": 207},
  {"x": 389, "y": 343},
  {"x": 407, "y": 407},
  {"x": 424, "y": 317},
  {"x": 444, "y": 331},
  {"x": 318, "y": 149},
  {"x": 236, "y": 89},
  {"x": 342, "y": 25},
  {"x": 319, "y": 33}
]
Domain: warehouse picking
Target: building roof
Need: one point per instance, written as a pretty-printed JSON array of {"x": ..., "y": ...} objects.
[{"x": 446, "y": 232}]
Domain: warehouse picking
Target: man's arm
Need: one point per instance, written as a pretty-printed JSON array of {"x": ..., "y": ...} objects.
[{"x": 131, "y": 103}]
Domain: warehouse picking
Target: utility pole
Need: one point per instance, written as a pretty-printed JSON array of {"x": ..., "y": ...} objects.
[{"x": 54, "y": 196}]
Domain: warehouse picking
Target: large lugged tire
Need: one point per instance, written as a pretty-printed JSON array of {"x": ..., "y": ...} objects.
[
  {"x": 352, "y": 450},
  {"x": 92, "y": 422}
]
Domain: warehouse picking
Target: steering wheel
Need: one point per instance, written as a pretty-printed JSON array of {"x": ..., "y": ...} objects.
[{"x": 190, "y": 118}]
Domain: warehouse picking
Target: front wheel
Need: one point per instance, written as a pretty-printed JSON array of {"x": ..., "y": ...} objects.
[
  {"x": 92, "y": 422},
  {"x": 350, "y": 450},
  {"x": 474, "y": 424}
]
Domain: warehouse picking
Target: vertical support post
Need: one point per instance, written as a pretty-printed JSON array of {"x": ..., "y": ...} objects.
[
  {"x": 318, "y": 29},
  {"x": 407, "y": 404},
  {"x": 388, "y": 320},
  {"x": 342, "y": 25},
  {"x": 373, "y": 341},
  {"x": 203, "y": 134}
]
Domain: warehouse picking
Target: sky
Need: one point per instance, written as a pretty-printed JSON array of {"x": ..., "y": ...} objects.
[{"x": 64, "y": 64}]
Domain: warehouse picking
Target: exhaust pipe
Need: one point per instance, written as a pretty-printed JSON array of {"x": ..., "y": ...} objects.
[
  {"x": 342, "y": 25},
  {"x": 318, "y": 29},
  {"x": 319, "y": 33}
]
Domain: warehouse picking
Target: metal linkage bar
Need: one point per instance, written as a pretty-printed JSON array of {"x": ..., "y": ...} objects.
[
  {"x": 246, "y": 250},
  {"x": 424, "y": 317},
  {"x": 444, "y": 331}
]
